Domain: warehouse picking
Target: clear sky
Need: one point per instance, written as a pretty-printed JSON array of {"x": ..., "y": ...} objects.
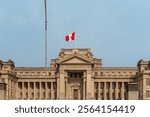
[{"x": 117, "y": 31}]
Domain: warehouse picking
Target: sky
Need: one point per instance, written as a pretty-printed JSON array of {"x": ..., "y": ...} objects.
[{"x": 117, "y": 31}]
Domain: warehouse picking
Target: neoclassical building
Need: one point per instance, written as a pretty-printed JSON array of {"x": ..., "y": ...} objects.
[{"x": 75, "y": 75}]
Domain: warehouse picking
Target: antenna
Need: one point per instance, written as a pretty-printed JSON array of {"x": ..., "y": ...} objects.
[{"x": 45, "y": 4}]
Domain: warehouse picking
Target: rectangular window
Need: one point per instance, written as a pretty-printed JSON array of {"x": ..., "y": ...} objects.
[
  {"x": 37, "y": 85},
  {"x": 96, "y": 85},
  {"x": 119, "y": 85},
  {"x": 107, "y": 94},
  {"x": 26, "y": 95},
  {"x": 148, "y": 94},
  {"x": 38, "y": 95},
  {"x": 101, "y": 73},
  {"x": 43, "y": 85},
  {"x": 113, "y": 95},
  {"x": 55, "y": 85},
  {"x": 20, "y": 85},
  {"x": 107, "y": 85},
  {"x": 102, "y": 96},
  {"x": 32, "y": 85},
  {"x": 21, "y": 95},
  {"x": 38, "y": 73},
  {"x": 119, "y": 96},
  {"x": 49, "y": 85},
  {"x": 148, "y": 82},
  {"x": 107, "y": 73},
  {"x": 102, "y": 85},
  {"x": 26, "y": 85},
  {"x": 113, "y": 85},
  {"x": 1, "y": 87},
  {"x": 125, "y": 85},
  {"x": 32, "y": 95}
]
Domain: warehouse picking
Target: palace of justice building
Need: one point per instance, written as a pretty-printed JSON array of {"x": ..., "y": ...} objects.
[{"x": 75, "y": 75}]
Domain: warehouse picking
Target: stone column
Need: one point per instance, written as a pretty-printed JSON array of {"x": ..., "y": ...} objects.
[
  {"x": 23, "y": 91},
  {"x": 34, "y": 88},
  {"x": 110, "y": 91},
  {"x": 46, "y": 91},
  {"x": 122, "y": 91},
  {"x": 67, "y": 90},
  {"x": 88, "y": 84},
  {"x": 9, "y": 89},
  {"x": 41, "y": 91},
  {"x": 52, "y": 91},
  {"x": 58, "y": 87},
  {"x": 17, "y": 91},
  {"x": 83, "y": 88},
  {"x": 29, "y": 90},
  {"x": 104, "y": 90},
  {"x": 92, "y": 88},
  {"x": 99, "y": 97},
  {"x": 116, "y": 91},
  {"x": 62, "y": 85}
]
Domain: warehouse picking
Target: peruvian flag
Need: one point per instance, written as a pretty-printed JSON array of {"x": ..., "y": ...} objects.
[{"x": 70, "y": 37}]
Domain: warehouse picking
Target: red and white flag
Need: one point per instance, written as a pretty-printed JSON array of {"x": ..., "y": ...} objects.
[{"x": 70, "y": 37}]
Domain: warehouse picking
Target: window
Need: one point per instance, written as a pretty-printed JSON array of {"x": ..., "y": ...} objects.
[
  {"x": 26, "y": 85},
  {"x": 32, "y": 95},
  {"x": 1, "y": 87},
  {"x": 26, "y": 95},
  {"x": 113, "y": 85},
  {"x": 101, "y": 73},
  {"x": 44, "y": 73},
  {"x": 148, "y": 82},
  {"x": 102, "y": 96},
  {"x": 49, "y": 85},
  {"x": 32, "y": 73},
  {"x": 21, "y": 95},
  {"x": 102, "y": 85},
  {"x": 107, "y": 85},
  {"x": 75, "y": 74},
  {"x": 55, "y": 85},
  {"x": 38, "y": 73},
  {"x": 96, "y": 85},
  {"x": 38, "y": 95},
  {"x": 49, "y": 73},
  {"x": 119, "y": 85},
  {"x": 108, "y": 98},
  {"x": 21, "y": 73},
  {"x": 27, "y": 73},
  {"x": 130, "y": 73},
  {"x": 43, "y": 85},
  {"x": 107, "y": 73},
  {"x": 32, "y": 85},
  {"x": 37, "y": 85},
  {"x": 119, "y": 96},
  {"x": 20, "y": 85},
  {"x": 125, "y": 85},
  {"x": 148, "y": 94},
  {"x": 113, "y": 95}
]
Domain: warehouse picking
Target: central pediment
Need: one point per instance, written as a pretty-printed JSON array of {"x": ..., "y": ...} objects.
[{"x": 75, "y": 60}]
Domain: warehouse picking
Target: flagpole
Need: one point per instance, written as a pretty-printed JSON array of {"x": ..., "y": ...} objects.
[
  {"x": 45, "y": 6},
  {"x": 75, "y": 44},
  {"x": 74, "y": 40}
]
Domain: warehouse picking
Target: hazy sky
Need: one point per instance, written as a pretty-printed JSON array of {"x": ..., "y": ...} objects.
[{"x": 117, "y": 31}]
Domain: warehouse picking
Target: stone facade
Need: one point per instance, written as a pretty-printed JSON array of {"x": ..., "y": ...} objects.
[{"x": 75, "y": 75}]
